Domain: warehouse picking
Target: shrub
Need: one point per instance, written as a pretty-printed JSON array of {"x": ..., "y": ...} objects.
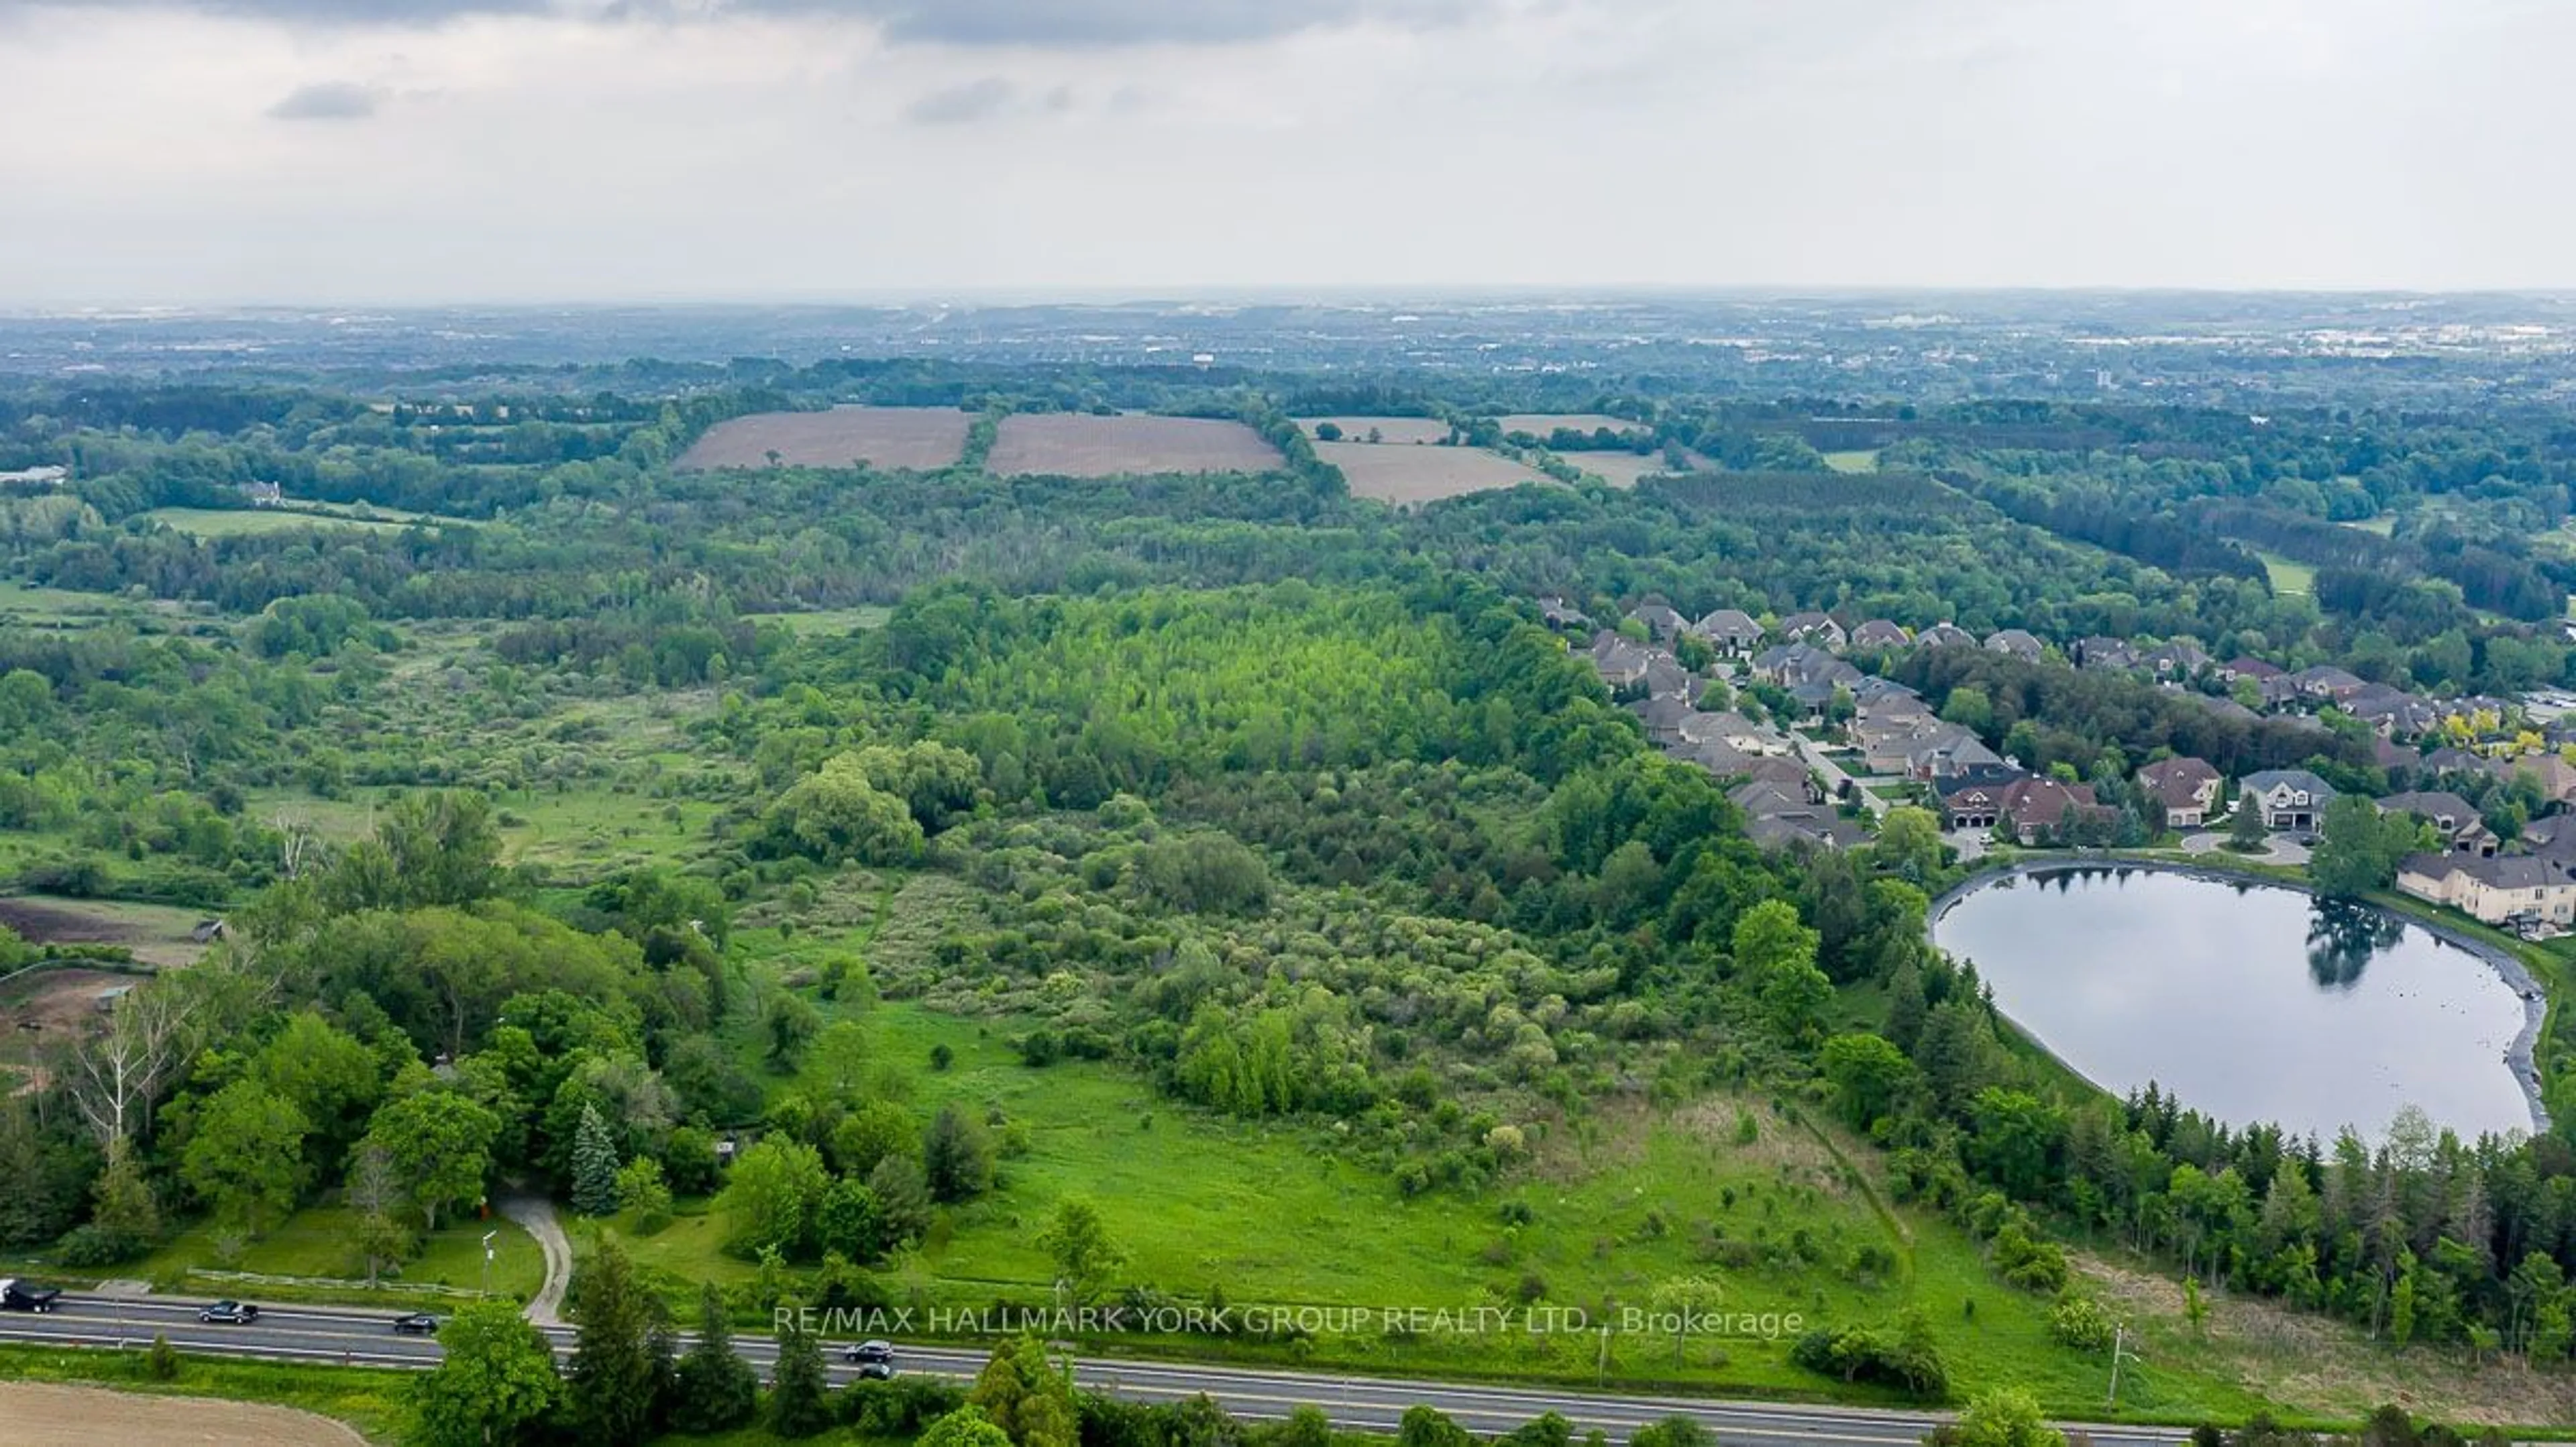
[
  {"x": 162, "y": 1362},
  {"x": 2081, "y": 1323}
]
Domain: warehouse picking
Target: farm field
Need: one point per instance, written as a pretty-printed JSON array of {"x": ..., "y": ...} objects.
[
  {"x": 1079, "y": 444},
  {"x": 827, "y": 621},
  {"x": 1861, "y": 461},
  {"x": 1422, "y": 474},
  {"x": 918, "y": 438},
  {"x": 1388, "y": 430},
  {"x": 260, "y": 522},
  {"x": 157, "y": 933},
  {"x": 1619, "y": 469},
  {"x": 49, "y": 1414},
  {"x": 1540, "y": 424}
]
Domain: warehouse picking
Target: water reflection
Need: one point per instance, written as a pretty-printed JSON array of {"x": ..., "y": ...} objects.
[
  {"x": 2344, "y": 937},
  {"x": 2248, "y": 1001}
]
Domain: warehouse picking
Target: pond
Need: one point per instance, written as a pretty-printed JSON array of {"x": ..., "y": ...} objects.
[{"x": 2251, "y": 1002}]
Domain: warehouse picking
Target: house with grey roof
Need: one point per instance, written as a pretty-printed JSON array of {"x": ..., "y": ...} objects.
[
  {"x": 1880, "y": 633},
  {"x": 1659, "y": 618},
  {"x": 1945, "y": 635},
  {"x": 2501, "y": 889},
  {"x": 2454, "y": 818},
  {"x": 1731, "y": 631},
  {"x": 2286, "y": 798},
  {"x": 1819, "y": 628},
  {"x": 2016, "y": 643}
]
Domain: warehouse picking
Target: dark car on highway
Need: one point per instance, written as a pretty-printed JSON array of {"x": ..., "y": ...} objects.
[
  {"x": 233, "y": 1313},
  {"x": 418, "y": 1323},
  {"x": 875, "y": 1359}
]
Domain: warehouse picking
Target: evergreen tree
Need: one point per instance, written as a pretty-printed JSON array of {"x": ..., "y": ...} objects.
[
  {"x": 594, "y": 1166},
  {"x": 799, "y": 1403},
  {"x": 621, "y": 1363},
  {"x": 716, "y": 1390},
  {"x": 955, "y": 1156}
]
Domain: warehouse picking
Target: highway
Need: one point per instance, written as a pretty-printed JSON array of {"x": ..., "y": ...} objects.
[{"x": 356, "y": 1338}]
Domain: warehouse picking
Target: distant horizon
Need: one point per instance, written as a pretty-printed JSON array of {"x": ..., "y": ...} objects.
[{"x": 1268, "y": 293}]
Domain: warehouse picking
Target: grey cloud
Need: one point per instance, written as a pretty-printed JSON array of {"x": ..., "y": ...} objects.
[
  {"x": 1092, "y": 23},
  {"x": 976, "y": 100},
  {"x": 1044, "y": 23},
  {"x": 335, "y": 100}
]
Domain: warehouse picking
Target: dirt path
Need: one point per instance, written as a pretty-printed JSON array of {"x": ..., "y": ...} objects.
[
  {"x": 46, "y": 1414},
  {"x": 537, "y": 1214}
]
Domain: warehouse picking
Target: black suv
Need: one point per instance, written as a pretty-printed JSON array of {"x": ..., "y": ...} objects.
[
  {"x": 418, "y": 1323},
  {"x": 875, "y": 1360}
]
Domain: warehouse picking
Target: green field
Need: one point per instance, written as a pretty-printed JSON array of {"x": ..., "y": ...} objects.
[
  {"x": 1619, "y": 1202},
  {"x": 249, "y": 522},
  {"x": 313, "y": 1245},
  {"x": 826, "y": 621},
  {"x": 2289, "y": 578},
  {"x": 1860, "y": 461}
]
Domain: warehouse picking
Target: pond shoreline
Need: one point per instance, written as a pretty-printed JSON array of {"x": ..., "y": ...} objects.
[{"x": 2520, "y": 1058}]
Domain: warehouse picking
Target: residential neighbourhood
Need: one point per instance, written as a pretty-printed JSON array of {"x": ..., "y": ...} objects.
[{"x": 1815, "y": 748}]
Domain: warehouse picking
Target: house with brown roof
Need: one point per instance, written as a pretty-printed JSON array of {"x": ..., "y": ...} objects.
[
  {"x": 1881, "y": 633},
  {"x": 1945, "y": 635},
  {"x": 2035, "y": 810},
  {"x": 2556, "y": 777},
  {"x": 2186, "y": 789}
]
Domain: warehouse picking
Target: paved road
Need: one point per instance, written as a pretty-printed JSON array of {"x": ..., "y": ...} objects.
[
  {"x": 1362, "y": 1403},
  {"x": 2277, "y": 848},
  {"x": 536, "y": 1215},
  {"x": 1813, "y": 756}
]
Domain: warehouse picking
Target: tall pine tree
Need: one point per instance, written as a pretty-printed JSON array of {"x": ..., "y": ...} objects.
[
  {"x": 594, "y": 1166},
  {"x": 718, "y": 1390},
  {"x": 799, "y": 1404},
  {"x": 621, "y": 1365}
]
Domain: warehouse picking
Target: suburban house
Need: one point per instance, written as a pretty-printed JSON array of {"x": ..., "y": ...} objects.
[
  {"x": 2455, "y": 817},
  {"x": 2226, "y": 708},
  {"x": 2556, "y": 777},
  {"x": 1659, "y": 618},
  {"x": 1880, "y": 633},
  {"x": 1730, "y": 631},
  {"x": 2186, "y": 789},
  {"x": 2286, "y": 798},
  {"x": 1716, "y": 756},
  {"x": 2327, "y": 682},
  {"x": 1621, "y": 663},
  {"x": 1559, "y": 613},
  {"x": 1812, "y": 628},
  {"x": 1666, "y": 678},
  {"x": 1947, "y": 752},
  {"x": 2174, "y": 658},
  {"x": 1662, "y": 713},
  {"x": 1792, "y": 664},
  {"x": 2393, "y": 711},
  {"x": 2500, "y": 889},
  {"x": 2104, "y": 653},
  {"x": 2251, "y": 670},
  {"x": 1945, "y": 635},
  {"x": 2035, "y": 809},
  {"x": 1733, "y": 730},
  {"x": 2014, "y": 643}
]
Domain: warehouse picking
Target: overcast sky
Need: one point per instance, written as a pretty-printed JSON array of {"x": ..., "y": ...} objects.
[{"x": 385, "y": 151}]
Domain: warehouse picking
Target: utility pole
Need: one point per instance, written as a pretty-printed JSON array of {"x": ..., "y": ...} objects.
[
  {"x": 487, "y": 1260},
  {"x": 2119, "y": 1353}
]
